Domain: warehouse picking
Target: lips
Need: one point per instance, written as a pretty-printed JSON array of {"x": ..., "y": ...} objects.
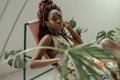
[{"x": 59, "y": 27}]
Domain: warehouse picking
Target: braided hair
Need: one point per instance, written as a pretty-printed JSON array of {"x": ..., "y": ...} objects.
[{"x": 45, "y": 6}]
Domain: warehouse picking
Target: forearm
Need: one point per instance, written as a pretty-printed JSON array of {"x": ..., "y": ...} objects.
[
  {"x": 43, "y": 63},
  {"x": 74, "y": 34}
]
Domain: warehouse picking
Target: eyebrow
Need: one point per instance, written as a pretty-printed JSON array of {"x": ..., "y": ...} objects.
[{"x": 56, "y": 16}]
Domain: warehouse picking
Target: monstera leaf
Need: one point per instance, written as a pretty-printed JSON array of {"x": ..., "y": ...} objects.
[
  {"x": 82, "y": 58},
  {"x": 78, "y": 30},
  {"x": 103, "y": 34},
  {"x": 113, "y": 34},
  {"x": 110, "y": 34},
  {"x": 100, "y": 36},
  {"x": 84, "y": 66},
  {"x": 72, "y": 23},
  {"x": 116, "y": 37},
  {"x": 17, "y": 62}
]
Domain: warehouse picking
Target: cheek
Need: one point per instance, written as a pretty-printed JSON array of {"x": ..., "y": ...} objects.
[
  {"x": 52, "y": 25},
  {"x": 55, "y": 28}
]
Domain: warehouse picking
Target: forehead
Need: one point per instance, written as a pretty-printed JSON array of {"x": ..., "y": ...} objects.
[{"x": 54, "y": 13}]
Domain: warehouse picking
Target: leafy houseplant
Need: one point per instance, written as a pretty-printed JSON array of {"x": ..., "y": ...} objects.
[
  {"x": 86, "y": 69},
  {"x": 17, "y": 62},
  {"x": 113, "y": 34},
  {"x": 79, "y": 30},
  {"x": 83, "y": 57}
]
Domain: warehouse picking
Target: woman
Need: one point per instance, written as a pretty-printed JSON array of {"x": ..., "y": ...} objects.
[{"x": 52, "y": 34}]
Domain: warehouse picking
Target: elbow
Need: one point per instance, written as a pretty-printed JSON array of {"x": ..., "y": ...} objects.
[
  {"x": 32, "y": 65},
  {"x": 35, "y": 65},
  {"x": 80, "y": 42}
]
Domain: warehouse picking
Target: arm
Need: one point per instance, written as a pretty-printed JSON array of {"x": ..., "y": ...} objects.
[
  {"x": 74, "y": 35},
  {"x": 43, "y": 63},
  {"x": 36, "y": 61}
]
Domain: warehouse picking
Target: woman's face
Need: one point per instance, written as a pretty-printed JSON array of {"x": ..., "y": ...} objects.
[{"x": 55, "y": 22}]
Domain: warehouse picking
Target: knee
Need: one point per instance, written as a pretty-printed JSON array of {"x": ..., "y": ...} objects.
[
  {"x": 32, "y": 65},
  {"x": 107, "y": 42}
]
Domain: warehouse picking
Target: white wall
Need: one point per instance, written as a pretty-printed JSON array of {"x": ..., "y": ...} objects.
[{"x": 96, "y": 15}]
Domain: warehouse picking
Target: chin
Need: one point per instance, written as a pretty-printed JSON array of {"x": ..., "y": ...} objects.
[{"x": 59, "y": 32}]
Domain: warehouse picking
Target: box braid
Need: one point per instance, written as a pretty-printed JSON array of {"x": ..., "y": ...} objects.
[{"x": 45, "y": 6}]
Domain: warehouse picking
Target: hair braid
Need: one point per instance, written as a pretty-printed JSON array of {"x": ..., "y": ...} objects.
[{"x": 45, "y": 6}]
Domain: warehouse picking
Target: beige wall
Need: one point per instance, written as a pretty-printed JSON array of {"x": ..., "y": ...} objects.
[{"x": 96, "y": 15}]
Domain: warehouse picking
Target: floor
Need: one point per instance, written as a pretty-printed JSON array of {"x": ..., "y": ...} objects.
[{"x": 18, "y": 75}]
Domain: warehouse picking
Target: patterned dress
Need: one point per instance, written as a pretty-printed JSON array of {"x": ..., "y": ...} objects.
[{"x": 62, "y": 43}]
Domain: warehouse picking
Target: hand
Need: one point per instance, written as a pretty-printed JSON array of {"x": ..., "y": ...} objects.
[
  {"x": 66, "y": 24},
  {"x": 57, "y": 60},
  {"x": 70, "y": 65}
]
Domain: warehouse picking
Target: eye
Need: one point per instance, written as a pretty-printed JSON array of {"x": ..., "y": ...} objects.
[
  {"x": 54, "y": 19},
  {"x": 60, "y": 18}
]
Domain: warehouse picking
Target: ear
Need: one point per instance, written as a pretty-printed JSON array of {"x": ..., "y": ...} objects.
[{"x": 46, "y": 23}]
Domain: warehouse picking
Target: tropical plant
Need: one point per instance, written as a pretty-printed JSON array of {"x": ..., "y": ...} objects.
[
  {"x": 90, "y": 60},
  {"x": 86, "y": 69},
  {"x": 105, "y": 34},
  {"x": 116, "y": 36},
  {"x": 79, "y": 30},
  {"x": 113, "y": 34},
  {"x": 17, "y": 62}
]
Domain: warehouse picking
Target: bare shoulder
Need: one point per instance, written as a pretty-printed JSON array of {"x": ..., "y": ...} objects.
[
  {"x": 46, "y": 40},
  {"x": 47, "y": 36}
]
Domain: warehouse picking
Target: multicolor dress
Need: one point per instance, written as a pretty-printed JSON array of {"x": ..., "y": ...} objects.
[{"x": 61, "y": 43}]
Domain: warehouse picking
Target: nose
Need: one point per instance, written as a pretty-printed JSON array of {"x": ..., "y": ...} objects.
[{"x": 59, "y": 21}]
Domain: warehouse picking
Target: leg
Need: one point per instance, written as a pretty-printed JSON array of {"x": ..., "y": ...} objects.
[{"x": 115, "y": 48}]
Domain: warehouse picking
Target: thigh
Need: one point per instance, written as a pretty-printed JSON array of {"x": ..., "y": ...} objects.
[{"x": 110, "y": 44}]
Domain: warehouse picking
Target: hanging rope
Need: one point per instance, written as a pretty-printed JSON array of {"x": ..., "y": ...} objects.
[
  {"x": 4, "y": 9},
  {"x": 12, "y": 29}
]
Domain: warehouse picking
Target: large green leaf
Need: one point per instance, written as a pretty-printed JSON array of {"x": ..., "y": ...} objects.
[
  {"x": 80, "y": 30},
  {"x": 79, "y": 62},
  {"x": 72, "y": 23},
  {"x": 81, "y": 55},
  {"x": 116, "y": 37},
  {"x": 64, "y": 67},
  {"x": 110, "y": 34},
  {"x": 101, "y": 35},
  {"x": 17, "y": 62}
]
